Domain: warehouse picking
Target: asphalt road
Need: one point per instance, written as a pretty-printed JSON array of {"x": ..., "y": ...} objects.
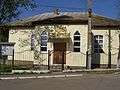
[{"x": 89, "y": 82}]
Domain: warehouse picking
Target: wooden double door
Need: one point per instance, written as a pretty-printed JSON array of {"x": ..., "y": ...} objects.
[{"x": 59, "y": 56}]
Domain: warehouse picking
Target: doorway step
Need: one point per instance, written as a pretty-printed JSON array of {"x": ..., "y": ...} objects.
[{"x": 56, "y": 68}]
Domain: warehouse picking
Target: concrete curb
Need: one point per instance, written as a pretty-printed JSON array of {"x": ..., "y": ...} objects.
[
  {"x": 91, "y": 70},
  {"x": 38, "y": 77},
  {"x": 30, "y": 71}
]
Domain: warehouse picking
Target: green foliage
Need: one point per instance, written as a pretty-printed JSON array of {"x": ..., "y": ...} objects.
[
  {"x": 21, "y": 68},
  {"x": 10, "y": 9},
  {"x": 5, "y": 68},
  {"x": 4, "y": 35},
  {"x": 37, "y": 35}
]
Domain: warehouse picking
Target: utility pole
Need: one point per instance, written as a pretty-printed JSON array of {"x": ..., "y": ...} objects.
[{"x": 89, "y": 46}]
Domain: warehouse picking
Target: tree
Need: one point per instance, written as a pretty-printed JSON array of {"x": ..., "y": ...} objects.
[
  {"x": 34, "y": 40},
  {"x": 10, "y": 9}
]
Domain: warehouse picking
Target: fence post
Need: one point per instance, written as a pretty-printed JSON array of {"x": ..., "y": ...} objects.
[
  {"x": 62, "y": 60},
  {"x": 86, "y": 59},
  {"x": 0, "y": 68},
  {"x": 4, "y": 61},
  {"x": 49, "y": 59},
  {"x": 109, "y": 49},
  {"x": 13, "y": 60}
]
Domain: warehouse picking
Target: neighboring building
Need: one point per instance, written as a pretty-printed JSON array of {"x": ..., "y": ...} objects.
[{"x": 67, "y": 41}]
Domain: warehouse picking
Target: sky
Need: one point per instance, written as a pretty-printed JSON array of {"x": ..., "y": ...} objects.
[{"x": 102, "y": 7}]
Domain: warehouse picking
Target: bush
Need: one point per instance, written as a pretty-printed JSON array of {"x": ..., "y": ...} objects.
[
  {"x": 21, "y": 68},
  {"x": 5, "y": 68}
]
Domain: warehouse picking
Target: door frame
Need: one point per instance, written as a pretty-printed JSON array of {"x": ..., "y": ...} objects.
[{"x": 62, "y": 51}]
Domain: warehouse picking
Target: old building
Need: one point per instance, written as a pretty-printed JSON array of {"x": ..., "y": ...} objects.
[{"x": 64, "y": 36}]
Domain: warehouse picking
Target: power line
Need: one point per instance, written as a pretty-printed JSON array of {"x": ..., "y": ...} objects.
[{"x": 62, "y": 7}]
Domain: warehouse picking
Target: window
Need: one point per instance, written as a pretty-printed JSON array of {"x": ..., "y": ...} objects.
[
  {"x": 98, "y": 44},
  {"x": 44, "y": 39},
  {"x": 76, "y": 41}
]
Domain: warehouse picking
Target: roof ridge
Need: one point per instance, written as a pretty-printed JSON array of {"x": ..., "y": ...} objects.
[{"x": 95, "y": 14}]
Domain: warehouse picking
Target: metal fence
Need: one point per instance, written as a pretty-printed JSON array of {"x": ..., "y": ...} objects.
[{"x": 8, "y": 64}]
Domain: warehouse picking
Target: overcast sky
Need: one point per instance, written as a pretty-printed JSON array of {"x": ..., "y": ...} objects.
[{"x": 102, "y": 7}]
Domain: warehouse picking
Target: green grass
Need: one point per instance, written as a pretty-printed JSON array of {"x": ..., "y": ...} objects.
[{"x": 8, "y": 68}]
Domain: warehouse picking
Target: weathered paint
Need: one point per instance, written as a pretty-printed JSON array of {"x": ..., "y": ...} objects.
[{"x": 72, "y": 58}]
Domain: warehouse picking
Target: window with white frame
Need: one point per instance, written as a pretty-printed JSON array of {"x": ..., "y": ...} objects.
[
  {"x": 98, "y": 44},
  {"x": 44, "y": 39},
  {"x": 76, "y": 41}
]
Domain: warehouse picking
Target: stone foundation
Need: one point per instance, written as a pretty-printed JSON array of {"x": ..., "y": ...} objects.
[{"x": 104, "y": 66}]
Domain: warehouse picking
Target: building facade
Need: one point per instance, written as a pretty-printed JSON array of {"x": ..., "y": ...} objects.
[{"x": 63, "y": 39}]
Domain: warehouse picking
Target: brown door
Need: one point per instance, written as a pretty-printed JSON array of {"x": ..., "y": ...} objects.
[{"x": 59, "y": 56}]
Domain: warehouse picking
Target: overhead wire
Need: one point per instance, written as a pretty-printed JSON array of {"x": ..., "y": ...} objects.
[{"x": 62, "y": 7}]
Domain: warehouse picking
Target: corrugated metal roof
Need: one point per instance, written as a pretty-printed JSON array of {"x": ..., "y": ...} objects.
[{"x": 70, "y": 16}]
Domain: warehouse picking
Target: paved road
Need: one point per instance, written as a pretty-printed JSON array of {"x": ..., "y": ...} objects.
[{"x": 89, "y": 82}]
